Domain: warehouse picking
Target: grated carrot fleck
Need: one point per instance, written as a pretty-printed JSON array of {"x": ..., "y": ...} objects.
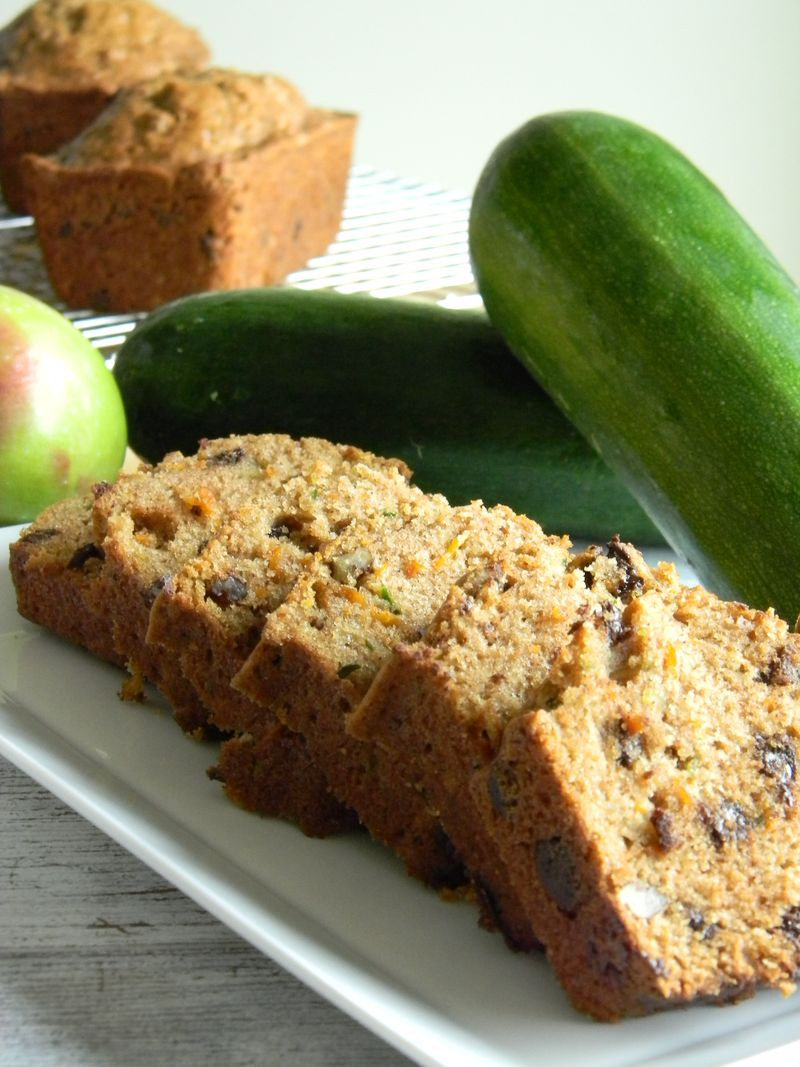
[
  {"x": 671, "y": 659},
  {"x": 355, "y": 596},
  {"x": 635, "y": 723},
  {"x": 450, "y": 552},
  {"x": 202, "y": 502}
]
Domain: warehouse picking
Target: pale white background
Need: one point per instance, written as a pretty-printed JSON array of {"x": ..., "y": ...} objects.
[{"x": 437, "y": 84}]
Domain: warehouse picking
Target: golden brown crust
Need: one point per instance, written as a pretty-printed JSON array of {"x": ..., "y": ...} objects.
[
  {"x": 174, "y": 120},
  {"x": 145, "y": 234},
  {"x": 102, "y": 44},
  {"x": 275, "y": 776}
]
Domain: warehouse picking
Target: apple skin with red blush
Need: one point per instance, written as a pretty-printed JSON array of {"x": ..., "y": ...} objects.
[{"x": 62, "y": 421}]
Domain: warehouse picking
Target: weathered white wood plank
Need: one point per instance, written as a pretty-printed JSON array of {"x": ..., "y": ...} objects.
[{"x": 102, "y": 962}]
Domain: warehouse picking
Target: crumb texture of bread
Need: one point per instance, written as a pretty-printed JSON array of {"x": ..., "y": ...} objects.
[
  {"x": 377, "y": 585},
  {"x": 631, "y": 787},
  {"x": 61, "y": 63}
]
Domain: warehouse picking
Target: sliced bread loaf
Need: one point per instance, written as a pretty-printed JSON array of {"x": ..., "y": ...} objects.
[{"x": 637, "y": 797}]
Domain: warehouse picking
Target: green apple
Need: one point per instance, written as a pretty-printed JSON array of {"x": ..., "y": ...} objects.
[{"x": 62, "y": 423}]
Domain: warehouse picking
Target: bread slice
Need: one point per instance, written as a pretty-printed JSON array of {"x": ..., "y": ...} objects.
[
  {"x": 61, "y": 578},
  {"x": 57, "y": 567},
  {"x": 207, "y": 616},
  {"x": 90, "y": 569},
  {"x": 154, "y": 520},
  {"x": 637, "y": 792},
  {"x": 377, "y": 585},
  {"x": 275, "y": 776},
  {"x": 439, "y": 705},
  {"x": 189, "y": 182}
]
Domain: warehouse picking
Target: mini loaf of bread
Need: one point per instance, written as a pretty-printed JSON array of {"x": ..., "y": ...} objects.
[
  {"x": 189, "y": 182},
  {"x": 638, "y": 790},
  {"x": 62, "y": 62}
]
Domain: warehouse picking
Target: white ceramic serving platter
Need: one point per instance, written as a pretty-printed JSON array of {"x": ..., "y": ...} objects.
[{"x": 340, "y": 914}]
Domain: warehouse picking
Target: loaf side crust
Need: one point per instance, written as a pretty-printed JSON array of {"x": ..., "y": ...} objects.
[{"x": 132, "y": 237}]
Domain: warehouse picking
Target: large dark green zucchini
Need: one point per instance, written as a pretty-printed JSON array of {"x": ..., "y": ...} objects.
[
  {"x": 437, "y": 388},
  {"x": 625, "y": 281}
]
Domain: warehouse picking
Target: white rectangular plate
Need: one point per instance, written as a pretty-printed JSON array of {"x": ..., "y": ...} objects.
[{"x": 340, "y": 914}]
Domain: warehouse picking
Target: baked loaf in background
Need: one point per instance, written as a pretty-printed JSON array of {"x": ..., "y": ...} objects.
[
  {"x": 214, "y": 179},
  {"x": 608, "y": 755},
  {"x": 61, "y": 63}
]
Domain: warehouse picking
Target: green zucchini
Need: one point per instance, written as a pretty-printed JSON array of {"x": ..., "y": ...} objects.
[
  {"x": 626, "y": 283},
  {"x": 435, "y": 387}
]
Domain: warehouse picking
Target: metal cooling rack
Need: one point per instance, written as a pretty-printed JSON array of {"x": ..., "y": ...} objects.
[{"x": 398, "y": 238}]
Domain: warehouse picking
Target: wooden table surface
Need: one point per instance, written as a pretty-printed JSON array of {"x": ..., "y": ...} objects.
[{"x": 104, "y": 964}]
